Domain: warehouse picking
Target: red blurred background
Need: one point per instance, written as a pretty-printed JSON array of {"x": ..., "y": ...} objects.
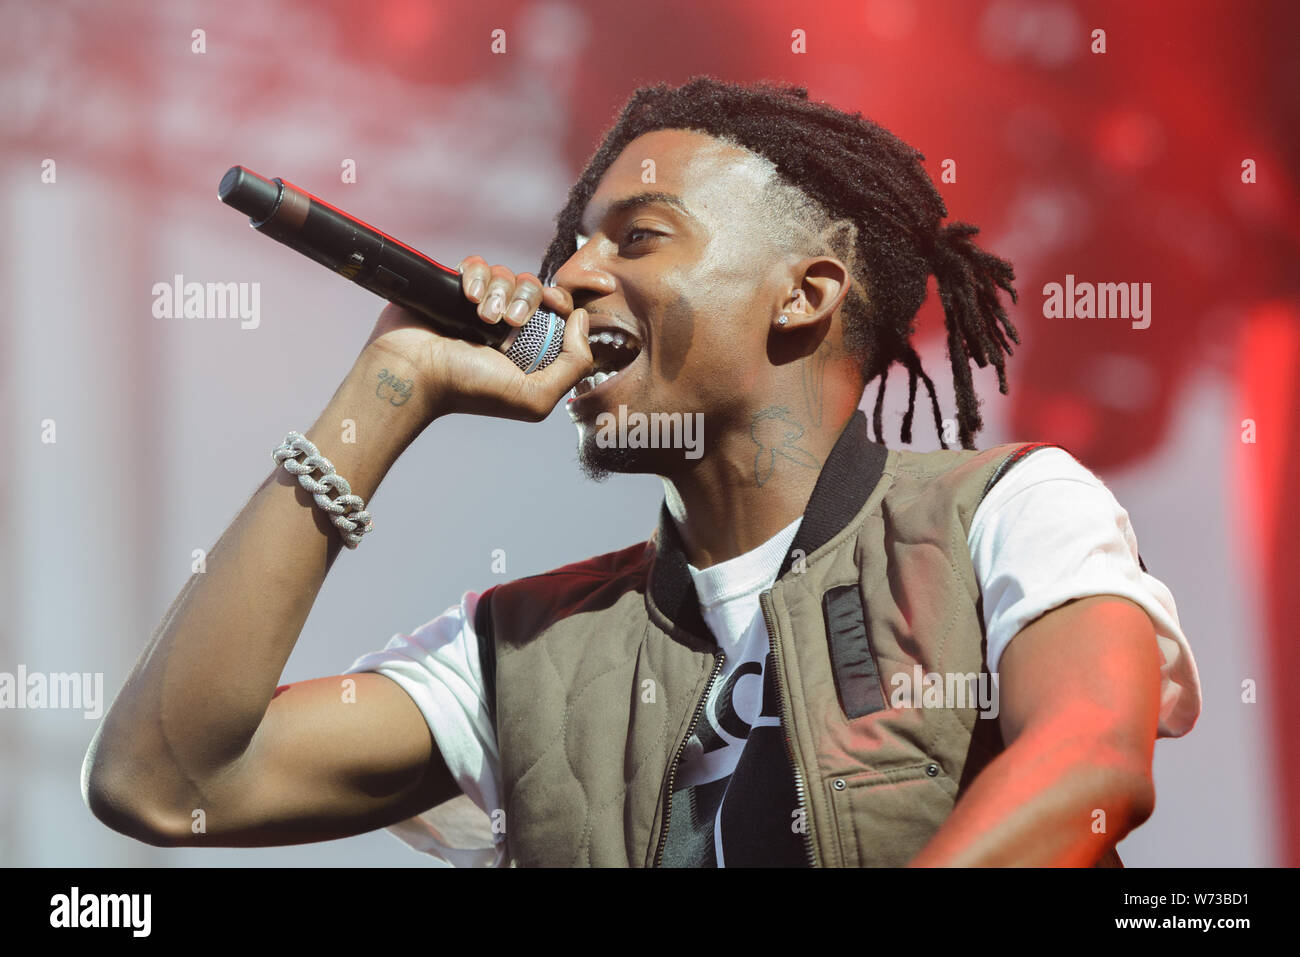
[{"x": 1117, "y": 166}]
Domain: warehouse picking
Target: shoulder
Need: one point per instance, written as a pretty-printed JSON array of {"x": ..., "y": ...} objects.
[
  {"x": 1048, "y": 481},
  {"x": 559, "y": 591},
  {"x": 618, "y": 564},
  {"x": 961, "y": 482},
  {"x": 1021, "y": 463},
  {"x": 1047, "y": 509},
  {"x": 977, "y": 469}
]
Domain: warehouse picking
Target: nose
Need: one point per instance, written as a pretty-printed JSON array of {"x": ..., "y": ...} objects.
[{"x": 583, "y": 276}]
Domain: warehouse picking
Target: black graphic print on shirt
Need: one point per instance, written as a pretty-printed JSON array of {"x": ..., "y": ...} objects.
[{"x": 735, "y": 800}]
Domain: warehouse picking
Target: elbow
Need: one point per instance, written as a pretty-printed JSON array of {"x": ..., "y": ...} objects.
[
  {"x": 1141, "y": 797},
  {"x": 116, "y": 797},
  {"x": 1127, "y": 797}
]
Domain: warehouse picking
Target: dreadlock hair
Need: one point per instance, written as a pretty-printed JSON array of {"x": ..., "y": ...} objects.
[{"x": 850, "y": 188}]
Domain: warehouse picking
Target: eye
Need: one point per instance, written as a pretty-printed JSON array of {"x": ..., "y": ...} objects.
[{"x": 636, "y": 231}]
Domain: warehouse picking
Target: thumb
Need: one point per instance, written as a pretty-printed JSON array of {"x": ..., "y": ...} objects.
[{"x": 573, "y": 362}]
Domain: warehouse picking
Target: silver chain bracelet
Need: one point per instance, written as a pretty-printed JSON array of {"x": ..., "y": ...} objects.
[{"x": 347, "y": 512}]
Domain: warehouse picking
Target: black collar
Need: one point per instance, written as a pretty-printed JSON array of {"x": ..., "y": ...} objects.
[{"x": 848, "y": 478}]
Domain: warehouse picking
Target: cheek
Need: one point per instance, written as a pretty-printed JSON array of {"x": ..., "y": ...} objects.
[
  {"x": 674, "y": 344},
  {"x": 706, "y": 324},
  {"x": 700, "y": 363}
]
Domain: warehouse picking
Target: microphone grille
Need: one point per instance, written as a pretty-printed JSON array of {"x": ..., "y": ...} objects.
[{"x": 538, "y": 341}]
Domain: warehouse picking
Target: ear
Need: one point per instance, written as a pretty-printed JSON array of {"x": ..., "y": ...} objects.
[{"x": 819, "y": 285}]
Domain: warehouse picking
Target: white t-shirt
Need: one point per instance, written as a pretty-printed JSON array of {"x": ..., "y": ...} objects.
[
  {"x": 741, "y": 712},
  {"x": 1048, "y": 532}
]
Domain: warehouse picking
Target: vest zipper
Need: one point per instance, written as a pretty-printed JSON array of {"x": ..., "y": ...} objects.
[
  {"x": 765, "y": 599},
  {"x": 672, "y": 770}
]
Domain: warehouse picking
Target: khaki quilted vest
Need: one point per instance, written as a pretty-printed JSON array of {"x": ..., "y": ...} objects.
[{"x": 597, "y": 672}]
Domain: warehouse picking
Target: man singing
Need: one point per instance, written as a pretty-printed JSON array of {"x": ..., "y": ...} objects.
[{"x": 829, "y": 653}]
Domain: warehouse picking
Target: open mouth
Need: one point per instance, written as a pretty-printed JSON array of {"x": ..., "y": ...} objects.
[{"x": 612, "y": 351}]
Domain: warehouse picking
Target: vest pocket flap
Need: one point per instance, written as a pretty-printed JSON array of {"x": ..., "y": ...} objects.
[
  {"x": 885, "y": 818},
  {"x": 857, "y": 679}
]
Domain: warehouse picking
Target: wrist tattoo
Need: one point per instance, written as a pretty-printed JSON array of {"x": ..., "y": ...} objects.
[{"x": 396, "y": 390}]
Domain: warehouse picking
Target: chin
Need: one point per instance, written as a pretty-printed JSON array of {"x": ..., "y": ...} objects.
[
  {"x": 660, "y": 444},
  {"x": 599, "y": 463}
]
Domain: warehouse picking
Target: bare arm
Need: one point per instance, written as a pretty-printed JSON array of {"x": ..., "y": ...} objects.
[
  {"x": 198, "y": 726},
  {"x": 188, "y": 726},
  {"x": 1079, "y": 703}
]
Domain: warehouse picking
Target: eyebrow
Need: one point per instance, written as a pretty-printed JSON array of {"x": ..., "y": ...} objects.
[{"x": 620, "y": 206}]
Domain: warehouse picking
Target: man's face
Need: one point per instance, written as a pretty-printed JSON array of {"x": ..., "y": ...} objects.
[{"x": 693, "y": 275}]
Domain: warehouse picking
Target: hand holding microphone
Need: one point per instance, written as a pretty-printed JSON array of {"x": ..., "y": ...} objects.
[
  {"x": 460, "y": 376},
  {"x": 440, "y": 320}
]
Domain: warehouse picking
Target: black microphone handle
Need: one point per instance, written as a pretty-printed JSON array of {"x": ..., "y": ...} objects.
[{"x": 378, "y": 262}]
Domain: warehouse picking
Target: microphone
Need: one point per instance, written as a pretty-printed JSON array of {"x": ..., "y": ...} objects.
[{"x": 388, "y": 268}]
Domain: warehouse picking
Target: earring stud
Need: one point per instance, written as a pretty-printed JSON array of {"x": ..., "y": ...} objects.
[{"x": 783, "y": 320}]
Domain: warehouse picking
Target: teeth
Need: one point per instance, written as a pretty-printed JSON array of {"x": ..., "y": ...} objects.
[
  {"x": 617, "y": 339},
  {"x": 590, "y": 382}
]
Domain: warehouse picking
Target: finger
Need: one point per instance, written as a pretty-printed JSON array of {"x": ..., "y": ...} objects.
[
  {"x": 527, "y": 298},
  {"x": 474, "y": 275},
  {"x": 557, "y": 300},
  {"x": 573, "y": 362},
  {"x": 498, "y": 292}
]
